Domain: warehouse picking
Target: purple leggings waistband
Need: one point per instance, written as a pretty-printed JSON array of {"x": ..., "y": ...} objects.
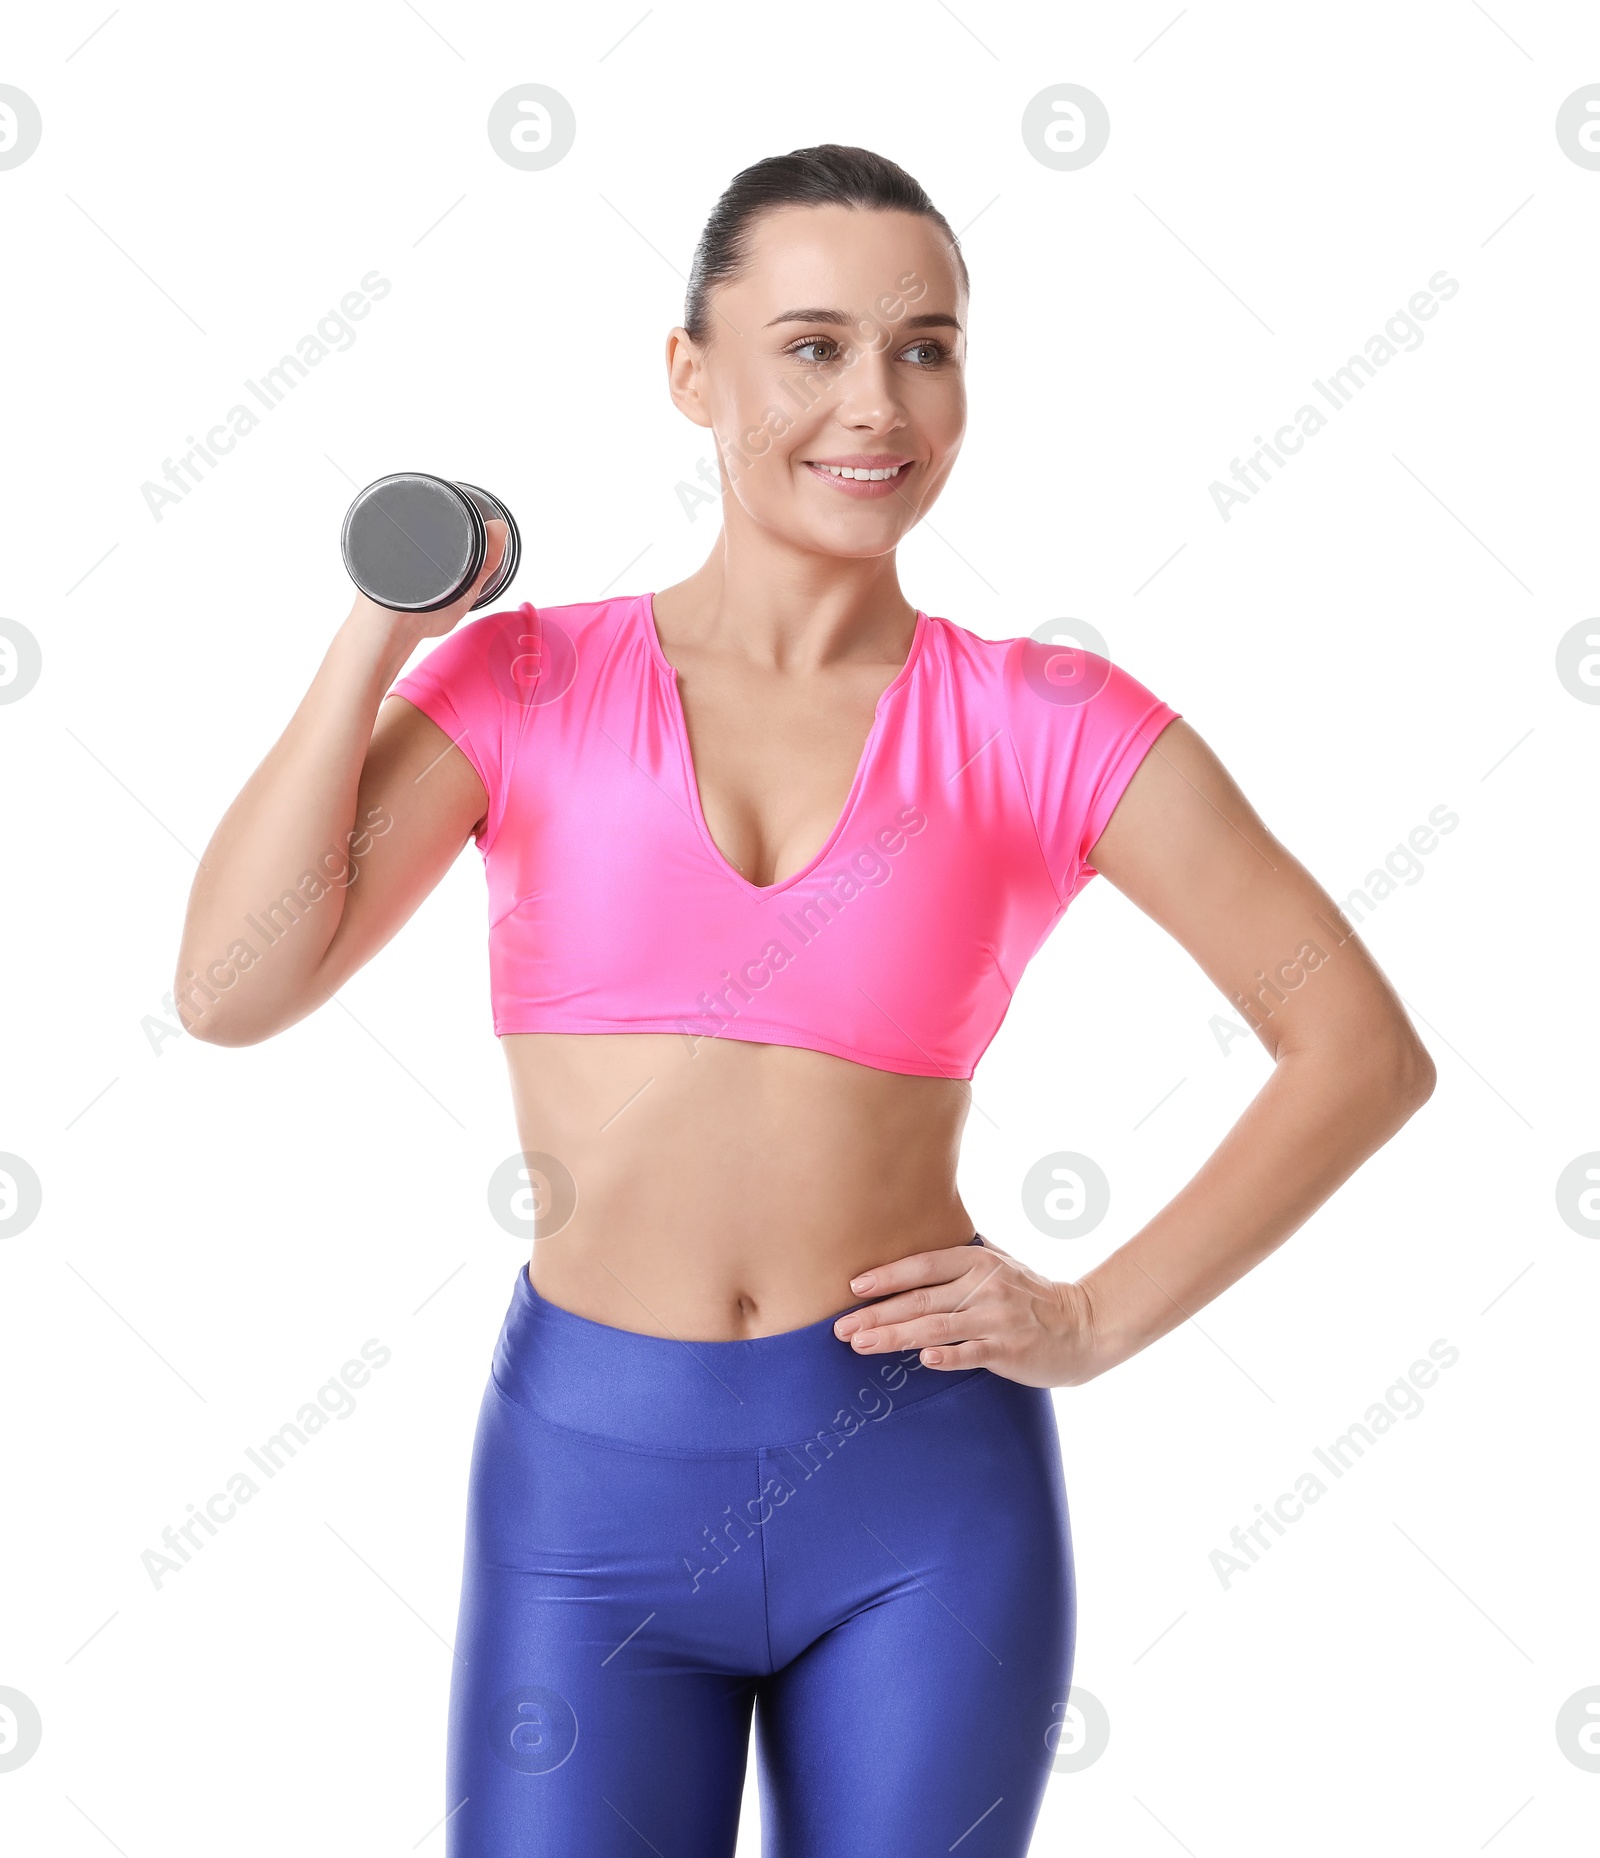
[{"x": 657, "y": 1394}]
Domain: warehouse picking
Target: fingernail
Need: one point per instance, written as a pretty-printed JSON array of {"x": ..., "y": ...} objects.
[{"x": 861, "y": 1283}]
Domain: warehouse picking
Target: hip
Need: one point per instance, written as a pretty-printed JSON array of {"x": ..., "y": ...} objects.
[{"x": 783, "y": 1473}]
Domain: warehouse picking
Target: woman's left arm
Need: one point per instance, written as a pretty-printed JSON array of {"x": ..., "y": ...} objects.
[{"x": 1349, "y": 1070}]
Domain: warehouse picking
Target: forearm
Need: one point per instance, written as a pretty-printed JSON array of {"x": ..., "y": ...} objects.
[
  {"x": 1313, "y": 1123},
  {"x": 270, "y": 890}
]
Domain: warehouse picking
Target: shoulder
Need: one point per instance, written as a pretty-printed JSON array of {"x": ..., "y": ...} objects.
[
  {"x": 584, "y": 620},
  {"x": 1042, "y": 684},
  {"x": 970, "y": 668},
  {"x": 498, "y": 654},
  {"x": 577, "y": 620}
]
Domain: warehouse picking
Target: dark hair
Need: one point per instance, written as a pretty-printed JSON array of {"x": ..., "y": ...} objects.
[{"x": 827, "y": 175}]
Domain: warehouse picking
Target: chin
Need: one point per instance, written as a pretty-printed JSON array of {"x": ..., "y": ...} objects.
[{"x": 850, "y": 541}]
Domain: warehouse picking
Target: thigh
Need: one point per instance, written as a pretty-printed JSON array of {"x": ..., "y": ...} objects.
[
  {"x": 602, "y": 1683},
  {"x": 938, "y": 1565}
]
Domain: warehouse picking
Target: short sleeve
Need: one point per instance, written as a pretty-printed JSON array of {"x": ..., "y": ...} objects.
[
  {"x": 1080, "y": 725},
  {"x": 455, "y": 685}
]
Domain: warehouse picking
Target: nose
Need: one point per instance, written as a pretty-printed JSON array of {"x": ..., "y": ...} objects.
[{"x": 869, "y": 394}]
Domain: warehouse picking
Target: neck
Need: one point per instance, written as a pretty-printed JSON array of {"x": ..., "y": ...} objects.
[{"x": 787, "y": 609}]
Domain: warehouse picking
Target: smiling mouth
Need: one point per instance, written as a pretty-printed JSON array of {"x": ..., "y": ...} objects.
[
  {"x": 861, "y": 480},
  {"x": 861, "y": 474}
]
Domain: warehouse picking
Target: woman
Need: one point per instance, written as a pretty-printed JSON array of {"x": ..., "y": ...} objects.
[{"x": 767, "y": 852}]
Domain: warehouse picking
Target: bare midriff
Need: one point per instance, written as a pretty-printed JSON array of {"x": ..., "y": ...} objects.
[{"x": 726, "y": 1189}]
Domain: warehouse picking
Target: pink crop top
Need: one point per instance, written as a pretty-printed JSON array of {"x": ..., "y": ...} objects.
[{"x": 991, "y": 768}]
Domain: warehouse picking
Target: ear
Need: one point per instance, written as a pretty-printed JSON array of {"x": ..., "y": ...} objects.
[{"x": 684, "y": 366}]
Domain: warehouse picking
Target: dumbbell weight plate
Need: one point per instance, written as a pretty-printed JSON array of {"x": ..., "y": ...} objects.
[
  {"x": 411, "y": 542},
  {"x": 490, "y": 508}
]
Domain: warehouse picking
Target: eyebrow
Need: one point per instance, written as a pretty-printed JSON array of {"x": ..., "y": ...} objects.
[{"x": 935, "y": 319}]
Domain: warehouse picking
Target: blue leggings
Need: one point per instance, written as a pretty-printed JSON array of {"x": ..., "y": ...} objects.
[{"x": 870, "y": 1557}]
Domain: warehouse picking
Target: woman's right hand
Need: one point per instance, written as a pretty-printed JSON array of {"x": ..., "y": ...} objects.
[{"x": 419, "y": 626}]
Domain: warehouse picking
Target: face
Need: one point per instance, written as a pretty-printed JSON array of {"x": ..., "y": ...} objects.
[{"x": 843, "y": 344}]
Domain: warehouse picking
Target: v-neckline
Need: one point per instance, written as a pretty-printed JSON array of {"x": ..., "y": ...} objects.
[{"x": 647, "y": 613}]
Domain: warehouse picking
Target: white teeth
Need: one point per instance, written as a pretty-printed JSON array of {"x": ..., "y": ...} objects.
[{"x": 875, "y": 477}]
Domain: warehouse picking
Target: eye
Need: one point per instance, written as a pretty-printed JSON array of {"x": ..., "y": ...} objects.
[{"x": 935, "y": 353}]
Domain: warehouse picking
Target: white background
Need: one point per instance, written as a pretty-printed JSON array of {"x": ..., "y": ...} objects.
[{"x": 1374, "y": 635}]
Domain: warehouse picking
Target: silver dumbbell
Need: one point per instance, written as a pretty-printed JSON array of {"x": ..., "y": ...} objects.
[{"x": 413, "y": 542}]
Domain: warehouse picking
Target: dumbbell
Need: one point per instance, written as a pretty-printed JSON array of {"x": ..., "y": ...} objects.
[{"x": 414, "y": 543}]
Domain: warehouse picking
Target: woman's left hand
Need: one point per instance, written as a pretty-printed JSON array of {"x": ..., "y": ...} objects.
[{"x": 975, "y": 1306}]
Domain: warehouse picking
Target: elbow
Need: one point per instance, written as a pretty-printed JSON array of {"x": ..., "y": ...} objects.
[
  {"x": 208, "y": 1032},
  {"x": 209, "y": 1024},
  {"x": 210, "y": 1016},
  {"x": 1406, "y": 1075},
  {"x": 1385, "y": 1075},
  {"x": 1426, "y": 1075},
  {"x": 198, "y": 1007},
  {"x": 196, "y": 1017},
  {"x": 228, "y": 1011},
  {"x": 213, "y": 1028}
]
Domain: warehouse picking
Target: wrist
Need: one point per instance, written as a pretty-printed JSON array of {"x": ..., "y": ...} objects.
[
  {"x": 380, "y": 639},
  {"x": 1080, "y": 1352}
]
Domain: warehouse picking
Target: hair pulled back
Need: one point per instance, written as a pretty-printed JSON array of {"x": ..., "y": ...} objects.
[{"x": 831, "y": 174}]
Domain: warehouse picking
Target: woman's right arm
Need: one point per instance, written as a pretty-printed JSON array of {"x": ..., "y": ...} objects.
[{"x": 355, "y": 814}]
